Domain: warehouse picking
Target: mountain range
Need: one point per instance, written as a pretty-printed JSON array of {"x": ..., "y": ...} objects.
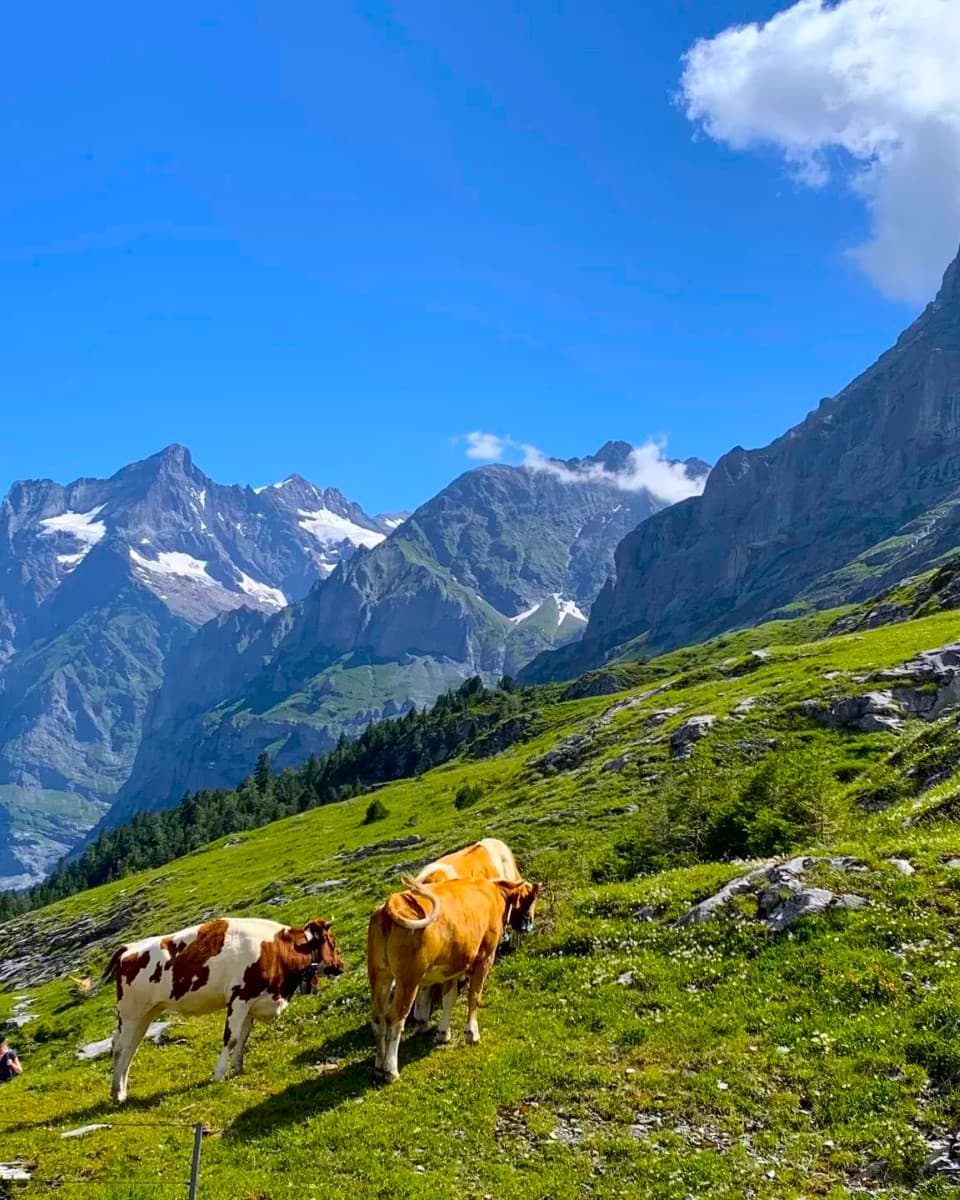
[
  {"x": 100, "y": 581},
  {"x": 861, "y": 494},
  {"x": 159, "y": 630}
]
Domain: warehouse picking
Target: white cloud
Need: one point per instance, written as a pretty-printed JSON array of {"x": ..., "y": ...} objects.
[
  {"x": 646, "y": 468},
  {"x": 864, "y": 90},
  {"x": 486, "y": 447}
]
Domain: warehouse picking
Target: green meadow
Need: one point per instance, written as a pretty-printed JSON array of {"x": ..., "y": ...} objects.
[{"x": 622, "y": 1055}]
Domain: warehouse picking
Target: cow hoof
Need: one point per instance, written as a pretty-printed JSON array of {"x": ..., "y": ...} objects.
[
  {"x": 471, "y": 1038},
  {"x": 443, "y": 1037}
]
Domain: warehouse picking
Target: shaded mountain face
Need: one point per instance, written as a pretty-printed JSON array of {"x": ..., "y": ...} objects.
[
  {"x": 500, "y": 565},
  {"x": 864, "y": 492},
  {"x": 100, "y": 581}
]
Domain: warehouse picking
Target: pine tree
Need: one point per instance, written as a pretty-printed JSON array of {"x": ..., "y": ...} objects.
[{"x": 262, "y": 774}]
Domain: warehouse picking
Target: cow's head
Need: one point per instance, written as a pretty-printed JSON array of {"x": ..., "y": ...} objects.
[
  {"x": 520, "y": 900},
  {"x": 321, "y": 945}
]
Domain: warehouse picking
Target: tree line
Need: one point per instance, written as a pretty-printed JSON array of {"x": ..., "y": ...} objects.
[{"x": 396, "y": 748}]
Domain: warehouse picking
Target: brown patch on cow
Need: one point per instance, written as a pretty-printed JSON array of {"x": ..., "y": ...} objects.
[
  {"x": 283, "y": 960},
  {"x": 188, "y": 961},
  {"x": 129, "y": 968},
  {"x": 157, "y": 971}
]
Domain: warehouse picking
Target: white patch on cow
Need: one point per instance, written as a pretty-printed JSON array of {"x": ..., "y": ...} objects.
[{"x": 329, "y": 528}]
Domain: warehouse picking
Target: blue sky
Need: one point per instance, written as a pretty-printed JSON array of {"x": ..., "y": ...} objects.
[{"x": 331, "y": 238}]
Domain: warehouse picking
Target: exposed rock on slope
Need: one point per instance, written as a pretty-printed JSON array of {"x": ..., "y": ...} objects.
[{"x": 865, "y": 491}]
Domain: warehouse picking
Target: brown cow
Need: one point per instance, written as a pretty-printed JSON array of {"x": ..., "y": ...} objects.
[
  {"x": 248, "y": 966},
  {"x": 434, "y": 933},
  {"x": 487, "y": 859}
]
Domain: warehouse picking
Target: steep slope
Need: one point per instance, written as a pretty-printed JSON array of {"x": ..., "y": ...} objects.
[
  {"x": 862, "y": 493},
  {"x": 501, "y": 564},
  {"x": 100, "y": 581},
  {"x": 627, "y": 1050}
]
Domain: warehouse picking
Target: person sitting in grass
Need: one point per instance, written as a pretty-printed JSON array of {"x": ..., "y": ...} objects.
[{"x": 9, "y": 1062}]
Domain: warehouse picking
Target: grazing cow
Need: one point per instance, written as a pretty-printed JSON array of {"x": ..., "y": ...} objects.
[
  {"x": 434, "y": 933},
  {"x": 248, "y": 966},
  {"x": 487, "y": 859}
]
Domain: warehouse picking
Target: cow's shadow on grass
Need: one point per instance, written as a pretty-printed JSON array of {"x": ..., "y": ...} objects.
[
  {"x": 328, "y": 1091},
  {"x": 352, "y": 1041}
]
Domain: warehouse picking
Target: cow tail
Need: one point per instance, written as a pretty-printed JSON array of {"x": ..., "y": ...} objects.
[
  {"x": 114, "y": 964},
  {"x": 418, "y": 889}
]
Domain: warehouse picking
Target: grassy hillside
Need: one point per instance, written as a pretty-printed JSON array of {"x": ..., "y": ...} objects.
[{"x": 622, "y": 1055}]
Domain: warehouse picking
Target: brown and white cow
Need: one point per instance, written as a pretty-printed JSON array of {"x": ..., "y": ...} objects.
[
  {"x": 248, "y": 966},
  {"x": 487, "y": 859},
  {"x": 435, "y": 933}
]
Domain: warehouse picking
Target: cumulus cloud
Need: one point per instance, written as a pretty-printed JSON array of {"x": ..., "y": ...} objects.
[
  {"x": 485, "y": 447},
  {"x": 645, "y": 468},
  {"x": 867, "y": 91}
]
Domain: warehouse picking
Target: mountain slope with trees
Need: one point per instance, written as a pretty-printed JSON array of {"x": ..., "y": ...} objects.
[{"x": 499, "y": 565}]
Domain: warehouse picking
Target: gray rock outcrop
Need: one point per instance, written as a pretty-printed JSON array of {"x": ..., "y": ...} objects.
[
  {"x": 863, "y": 492},
  {"x": 781, "y": 893}
]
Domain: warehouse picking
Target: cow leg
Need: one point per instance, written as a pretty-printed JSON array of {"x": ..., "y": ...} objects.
[
  {"x": 449, "y": 1000},
  {"x": 235, "y": 1033},
  {"x": 478, "y": 977},
  {"x": 381, "y": 992},
  {"x": 421, "y": 1010},
  {"x": 129, "y": 1035},
  {"x": 403, "y": 998},
  {"x": 239, "y": 1049}
]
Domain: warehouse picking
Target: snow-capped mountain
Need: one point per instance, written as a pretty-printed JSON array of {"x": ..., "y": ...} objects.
[
  {"x": 99, "y": 580},
  {"x": 501, "y": 564}
]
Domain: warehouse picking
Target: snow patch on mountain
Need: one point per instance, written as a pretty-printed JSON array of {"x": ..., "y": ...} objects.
[
  {"x": 568, "y": 608},
  {"x": 329, "y": 528},
  {"x": 266, "y": 487},
  {"x": 84, "y": 526},
  {"x": 67, "y": 562},
  {"x": 270, "y": 596},
  {"x": 527, "y": 612},
  {"x": 564, "y": 609},
  {"x": 175, "y": 563}
]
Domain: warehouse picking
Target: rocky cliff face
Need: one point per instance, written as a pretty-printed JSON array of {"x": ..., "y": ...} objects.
[
  {"x": 101, "y": 581},
  {"x": 500, "y": 565},
  {"x": 861, "y": 493}
]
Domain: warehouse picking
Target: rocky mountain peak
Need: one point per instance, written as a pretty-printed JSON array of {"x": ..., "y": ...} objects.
[
  {"x": 949, "y": 294},
  {"x": 613, "y": 455}
]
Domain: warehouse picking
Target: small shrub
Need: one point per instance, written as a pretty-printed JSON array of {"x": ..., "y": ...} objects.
[
  {"x": 467, "y": 795},
  {"x": 376, "y": 811}
]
